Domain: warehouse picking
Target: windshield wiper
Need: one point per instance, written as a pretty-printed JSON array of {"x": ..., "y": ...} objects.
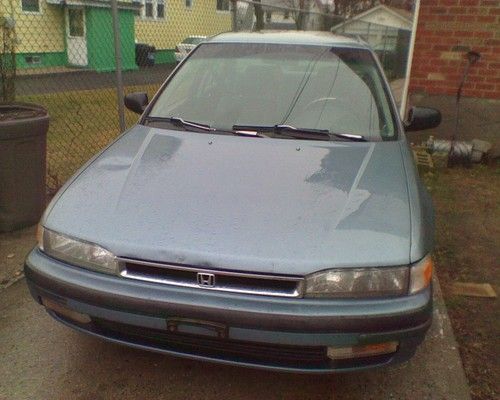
[
  {"x": 286, "y": 130},
  {"x": 181, "y": 122},
  {"x": 299, "y": 133},
  {"x": 207, "y": 128}
]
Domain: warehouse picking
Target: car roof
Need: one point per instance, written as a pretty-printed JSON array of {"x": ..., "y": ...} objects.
[{"x": 312, "y": 38}]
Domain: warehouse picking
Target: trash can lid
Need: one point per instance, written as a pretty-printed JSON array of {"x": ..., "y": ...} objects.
[{"x": 22, "y": 120}]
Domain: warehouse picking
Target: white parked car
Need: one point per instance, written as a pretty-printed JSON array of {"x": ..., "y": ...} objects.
[{"x": 185, "y": 47}]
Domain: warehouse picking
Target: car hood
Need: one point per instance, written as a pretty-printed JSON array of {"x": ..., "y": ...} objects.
[{"x": 239, "y": 203}]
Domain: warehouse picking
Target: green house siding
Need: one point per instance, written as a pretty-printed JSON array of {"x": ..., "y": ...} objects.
[
  {"x": 46, "y": 60},
  {"x": 166, "y": 56},
  {"x": 100, "y": 43}
]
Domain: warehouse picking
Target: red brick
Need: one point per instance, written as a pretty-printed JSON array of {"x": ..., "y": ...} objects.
[
  {"x": 493, "y": 42},
  {"x": 476, "y": 10},
  {"x": 486, "y": 18},
  {"x": 490, "y": 3},
  {"x": 483, "y": 34},
  {"x": 448, "y": 40},
  {"x": 441, "y": 47},
  {"x": 484, "y": 50},
  {"x": 473, "y": 93},
  {"x": 469, "y": 2},
  {"x": 457, "y": 10},
  {"x": 483, "y": 86},
  {"x": 438, "y": 10},
  {"x": 445, "y": 17},
  {"x": 466, "y": 18},
  {"x": 448, "y": 70}
]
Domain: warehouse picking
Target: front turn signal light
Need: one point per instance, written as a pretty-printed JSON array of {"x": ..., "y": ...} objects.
[{"x": 421, "y": 274}]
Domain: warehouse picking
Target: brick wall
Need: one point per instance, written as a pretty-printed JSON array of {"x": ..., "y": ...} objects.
[{"x": 446, "y": 30}]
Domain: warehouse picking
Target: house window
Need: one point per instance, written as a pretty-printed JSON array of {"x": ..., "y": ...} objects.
[
  {"x": 138, "y": 10},
  {"x": 189, "y": 3},
  {"x": 148, "y": 9},
  {"x": 153, "y": 9},
  {"x": 76, "y": 22},
  {"x": 160, "y": 9},
  {"x": 222, "y": 5},
  {"x": 33, "y": 60},
  {"x": 30, "y": 5}
]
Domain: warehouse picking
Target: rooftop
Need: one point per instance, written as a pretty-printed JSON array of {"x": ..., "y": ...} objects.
[{"x": 287, "y": 37}]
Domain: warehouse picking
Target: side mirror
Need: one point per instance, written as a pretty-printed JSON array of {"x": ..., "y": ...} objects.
[
  {"x": 136, "y": 102},
  {"x": 420, "y": 118}
]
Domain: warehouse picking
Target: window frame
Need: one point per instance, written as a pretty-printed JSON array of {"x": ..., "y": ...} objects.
[
  {"x": 39, "y": 12},
  {"x": 163, "y": 3},
  {"x": 68, "y": 26},
  {"x": 223, "y": 10},
  {"x": 36, "y": 60},
  {"x": 154, "y": 10}
]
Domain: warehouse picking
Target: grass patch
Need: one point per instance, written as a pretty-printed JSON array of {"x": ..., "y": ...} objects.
[{"x": 81, "y": 123}]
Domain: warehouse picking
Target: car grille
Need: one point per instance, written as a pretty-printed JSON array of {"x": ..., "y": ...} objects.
[
  {"x": 227, "y": 281},
  {"x": 284, "y": 355}
]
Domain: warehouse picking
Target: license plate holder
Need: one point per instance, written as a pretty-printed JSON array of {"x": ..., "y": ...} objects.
[{"x": 197, "y": 327}]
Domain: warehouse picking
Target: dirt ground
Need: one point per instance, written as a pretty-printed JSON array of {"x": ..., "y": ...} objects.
[
  {"x": 467, "y": 203},
  {"x": 13, "y": 248}
]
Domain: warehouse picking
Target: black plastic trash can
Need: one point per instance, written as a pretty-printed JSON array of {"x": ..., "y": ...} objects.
[
  {"x": 144, "y": 55},
  {"x": 23, "y": 138}
]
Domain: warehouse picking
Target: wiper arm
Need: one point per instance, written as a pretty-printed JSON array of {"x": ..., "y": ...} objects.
[
  {"x": 181, "y": 122},
  {"x": 349, "y": 136},
  {"x": 286, "y": 130}
]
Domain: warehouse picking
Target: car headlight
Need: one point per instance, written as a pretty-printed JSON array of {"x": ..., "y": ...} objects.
[
  {"x": 76, "y": 252},
  {"x": 369, "y": 282}
]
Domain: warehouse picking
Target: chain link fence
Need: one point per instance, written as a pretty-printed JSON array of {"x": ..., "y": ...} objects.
[{"x": 61, "y": 54}]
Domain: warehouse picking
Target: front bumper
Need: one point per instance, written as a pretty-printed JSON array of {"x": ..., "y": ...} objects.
[{"x": 274, "y": 333}]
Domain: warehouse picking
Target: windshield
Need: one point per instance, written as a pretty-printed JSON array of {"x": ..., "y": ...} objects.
[
  {"x": 308, "y": 87},
  {"x": 193, "y": 40}
]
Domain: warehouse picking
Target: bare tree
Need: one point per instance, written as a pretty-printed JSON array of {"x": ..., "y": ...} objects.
[
  {"x": 259, "y": 16},
  {"x": 349, "y": 8},
  {"x": 299, "y": 11}
]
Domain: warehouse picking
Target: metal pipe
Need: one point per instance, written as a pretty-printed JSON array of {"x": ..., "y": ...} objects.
[
  {"x": 118, "y": 62},
  {"x": 472, "y": 58},
  {"x": 234, "y": 15},
  {"x": 404, "y": 96}
]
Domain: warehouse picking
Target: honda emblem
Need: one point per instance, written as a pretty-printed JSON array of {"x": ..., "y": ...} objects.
[{"x": 205, "y": 280}]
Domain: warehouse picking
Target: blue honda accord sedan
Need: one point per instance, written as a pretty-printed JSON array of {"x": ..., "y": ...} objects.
[{"x": 265, "y": 211}]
